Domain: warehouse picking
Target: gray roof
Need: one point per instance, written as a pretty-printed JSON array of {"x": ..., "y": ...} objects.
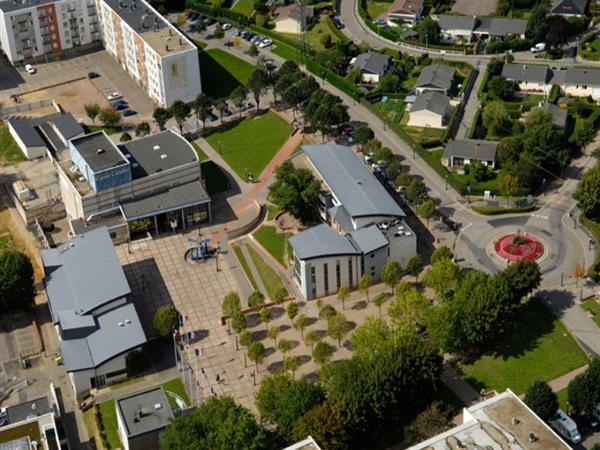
[
  {"x": 448, "y": 22},
  {"x": 118, "y": 331},
  {"x": 559, "y": 115},
  {"x": 26, "y": 132},
  {"x": 372, "y": 62},
  {"x": 99, "y": 151},
  {"x": 28, "y": 410},
  {"x": 16, "y": 5},
  {"x": 83, "y": 273},
  {"x": 471, "y": 149},
  {"x": 433, "y": 101},
  {"x": 582, "y": 77},
  {"x": 368, "y": 239},
  {"x": 436, "y": 75},
  {"x": 28, "y": 128},
  {"x": 135, "y": 17},
  {"x": 70, "y": 319},
  {"x": 173, "y": 151},
  {"x": 67, "y": 125},
  {"x": 341, "y": 217},
  {"x": 350, "y": 182},
  {"x": 504, "y": 27},
  {"x": 566, "y": 7},
  {"x": 142, "y": 414},
  {"x": 175, "y": 198},
  {"x": 526, "y": 73},
  {"x": 319, "y": 241}
]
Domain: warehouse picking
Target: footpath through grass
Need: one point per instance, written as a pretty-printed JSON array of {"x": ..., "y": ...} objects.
[
  {"x": 222, "y": 72},
  {"x": 245, "y": 266},
  {"x": 275, "y": 243},
  {"x": 539, "y": 348},
  {"x": 270, "y": 277},
  {"x": 10, "y": 153},
  {"x": 251, "y": 144}
]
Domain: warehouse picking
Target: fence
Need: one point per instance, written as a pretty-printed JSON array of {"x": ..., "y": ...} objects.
[{"x": 25, "y": 107}]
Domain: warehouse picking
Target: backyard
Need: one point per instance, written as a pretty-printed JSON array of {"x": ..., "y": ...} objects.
[
  {"x": 10, "y": 153},
  {"x": 222, "y": 72},
  {"x": 249, "y": 146},
  {"x": 316, "y": 33},
  {"x": 377, "y": 8},
  {"x": 540, "y": 348}
]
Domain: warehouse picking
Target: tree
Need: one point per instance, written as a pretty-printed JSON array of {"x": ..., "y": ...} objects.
[
  {"x": 503, "y": 88},
  {"x": 433, "y": 421},
  {"x": 16, "y": 281},
  {"x": 322, "y": 352},
  {"x": 284, "y": 346},
  {"x": 246, "y": 338},
  {"x": 508, "y": 185},
  {"x": 578, "y": 273},
  {"x": 256, "y": 353},
  {"x": 295, "y": 191},
  {"x": 390, "y": 83},
  {"x": 231, "y": 304},
  {"x": 429, "y": 31},
  {"x": 364, "y": 284},
  {"x": 218, "y": 33},
  {"x": 391, "y": 273},
  {"x": 342, "y": 294},
  {"x": 203, "y": 107},
  {"x": 557, "y": 35},
  {"x": 369, "y": 336},
  {"x": 442, "y": 252},
  {"x": 166, "y": 320},
  {"x": 338, "y": 327},
  {"x": 273, "y": 333},
  {"x": 110, "y": 117},
  {"x": 238, "y": 321},
  {"x": 443, "y": 277},
  {"x": 257, "y": 83},
  {"x": 142, "y": 129},
  {"x": 540, "y": 398},
  {"x": 92, "y": 110},
  {"x": 221, "y": 105},
  {"x": 537, "y": 24},
  {"x": 378, "y": 301},
  {"x": 291, "y": 364},
  {"x": 217, "y": 424},
  {"x": 301, "y": 322},
  {"x": 280, "y": 295},
  {"x": 256, "y": 300},
  {"x": 325, "y": 111},
  {"x": 416, "y": 191},
  {"x": 581, "y": 396},
  {"x": 292, "y": 310},
  {"x": 414, "y": 266},
  {"x": 238, "y": 97},
  {"x": 180, "y": 111},
  {"x": 587, "y": 193},
  {"x": 161, "y": 116},
  {"x": 282, "y": 400},
  {"x": 427, "y": 210},
  {"x": 362, "y": 134},
  {"x": 125, "y": 137},
  {"x": 311, "y": 339},
  {"x": 404, "y": 179},
  {"x": 324, "y": 425},
  {"x": 265, "y": 317},
  {"x": 496, "y": 119},
  {"x": 253, "y": 50},
  {"x": 327, "y": 312},
  {"x": 522, "y": 278},
  {"x": 409, "y": 309}
]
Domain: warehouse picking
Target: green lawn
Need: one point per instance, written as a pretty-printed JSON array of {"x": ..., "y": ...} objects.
[
  {"x": 275, "y": 243},
  {"x": 251, "y": 144},
  {"x": 563, "y": 399},
  {"x": 392, "y": 108},
  {"x": 244, "y": 7},
  {"x": 376, "y": 9},
  {"x": 540, "y": 348},
  {"x": 10, "y": 153},
  {"x": 272, "y": 211},
  {"x": 109, "y": 420},
  {"x": 270, "y": 278},
  {"x": 316, "y": 33},
  {"x": 201, "y": 154},
  {"x": 593, "y": 307},
  {"x": 216, "y": 180},
  {"x": 244, "y": 263},
  {"x": 176, "y": 386},
  {"x": 199, "y": 44},
  {"x": 6, "y": 241},
  {"x": 222, "y": 72}
]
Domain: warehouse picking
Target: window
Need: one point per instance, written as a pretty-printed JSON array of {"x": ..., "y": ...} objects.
[
  {"x": 326, "y": 277},
  {"x": 338, "y": 274},
  {"x": 350, "y": 274},
  {"x": 313, "y": 275}
]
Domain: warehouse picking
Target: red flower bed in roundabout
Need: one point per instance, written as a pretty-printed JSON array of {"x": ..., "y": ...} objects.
[{"x": 517, "y": 247}]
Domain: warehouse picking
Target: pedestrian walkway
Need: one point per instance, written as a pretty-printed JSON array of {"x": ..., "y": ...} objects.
[
  {"x": 459, "y": 386},
  {"x": 560, "y": 383}
]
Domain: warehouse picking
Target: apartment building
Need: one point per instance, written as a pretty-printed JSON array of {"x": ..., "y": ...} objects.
[
  {"x": 153, "y": 52},
  {"x": 30, "y": 29}
]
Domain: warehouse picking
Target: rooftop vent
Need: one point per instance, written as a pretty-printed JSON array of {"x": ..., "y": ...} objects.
[
  {"x": 127, "y": 321},
  {"x": 99, "y": 151},
  {"x": 128, "y": 155},
  {"x": 157, "y": 406},
  {"x": 121, "y": 324},
  {"x": 156, "y": 147},
  {"x": 163, "y": 156}
]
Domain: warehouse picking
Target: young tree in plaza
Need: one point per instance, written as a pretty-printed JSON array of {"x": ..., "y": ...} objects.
[
  {"x": 203, "y": 107},
  {"x": 161, "y": 116},
  {"x": 338, "y": 327},
  {"x": 364, "y": 284},
  {"x": 284, "y": 346},
  {"x": 265, "y": 317},
  {"x": 311, "y": 339},
  {"x": 142, "y": 129},
  {"x": 342, "y": 294},
  {"x": 391, "y": 273},
  {"x": 322, "y": 352},
  {"x": 256, "y": 353},
  {"x": 379, "y": 300},
  {"x": 414, "y": 266},
  {"x": 273, "y": 333},
  {"x": 166, "y": 320},
  {"x": 301, "y": 322},
  {"x": 256, "y": 300},
  {"x": 180, "y": 111}
]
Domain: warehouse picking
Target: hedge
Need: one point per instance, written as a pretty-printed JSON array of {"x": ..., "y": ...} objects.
[
  {"x": 594, "y": 228},
  {"x": 496, "y": 210},
  {"x": 486, "y": 76},
  {"x": 336, "y": 32},
  {"x": 553, "y": 95}
]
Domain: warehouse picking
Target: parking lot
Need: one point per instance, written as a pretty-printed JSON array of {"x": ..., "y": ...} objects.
[{"x": 18, "y": 339}]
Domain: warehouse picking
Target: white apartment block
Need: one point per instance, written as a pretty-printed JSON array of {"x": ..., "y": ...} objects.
[
  {"x": 41, "y": 28},
  {"x": 153, "y": 52}
]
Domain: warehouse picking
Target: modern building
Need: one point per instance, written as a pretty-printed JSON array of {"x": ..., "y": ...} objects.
[
  {"x": 405, "y": 12},
  {"x": 435, "y": 77},
  {"x": 88, "y": 299},
  {"x": 32, "y": 425},
  {"x": 32, "y": 29},
  {"x": 569, "y": 8},
  {"x": 293, "y": 18},
  {"x": 153, "y": 52},
  {"x": 37, "y": 136},
  {"x": 456, "y": 29},
  {"x": 141, "y": 419},
  {"x": 373, "y": 66},
  {"x": 460, "y": 152},
  {"x": 364, "y": 226},
  {"x": 151, "y": 183},
  {"x": 431, "y": 109},
  {"x": 500, "y": 422}
]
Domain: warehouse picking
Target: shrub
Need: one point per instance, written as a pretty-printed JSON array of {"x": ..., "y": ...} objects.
[{"x": 48, "y": 227}]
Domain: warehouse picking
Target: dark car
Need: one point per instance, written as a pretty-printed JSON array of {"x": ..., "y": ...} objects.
[
  {"x": 249, "y": 36},
  {"x": 338, "y": 23},
  {"x": 120, "y": 103},
  {"x": 227, "y": 112},
  {"x": 209, "y": 21},
  {"x": 92, "y": 75},
  {"x": 246, "y": 106},
  {"x": 129, "y": 112},
  {"x": 121, "y": 106},
  {"x": 212, "y": 117}
]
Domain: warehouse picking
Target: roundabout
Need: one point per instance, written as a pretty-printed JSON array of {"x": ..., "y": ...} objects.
[{"x": 518, "y": 247}]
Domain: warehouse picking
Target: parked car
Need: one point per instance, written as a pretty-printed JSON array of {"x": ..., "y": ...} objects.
[
  {"x": 120, "y": 102},
  {"x": 93, "y": 75},
  {"x": 114, "y": 95},
  {"x": 256, "y": 39},
  {"x": 227, "y": 112},
  {"x": 192, "y": 27},
  {"x": 566, "y": 427},
  {"x": 129, "y": 112},
  {"x": 338, "y": 23},
  {"x": 189, "y": 15},
  {"x": 212, "y": 117},
  {"x": 237, "y": 32},
  {"x": 265, "y": 43},
  {"x": 225, "y": 26},
  {"x": 209, "y": 21},
  {"x": 121, "y": 106},
  {"x": 379, "y": 21},
  {"x": 537, "y": 48},
  {"x": 247, "y": 105},
  {"x": 30, "y": 69},
  {"x": 248, "y": 35}
]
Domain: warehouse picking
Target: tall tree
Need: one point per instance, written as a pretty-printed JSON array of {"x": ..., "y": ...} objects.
[
  {"x": 391, "y": 273},
  {"x": 496, "y": 119},
  {"x": 427, "y": 210},
  {"x": 537, "y": 24},
  {"x": 284, "y": 346},
  {"x": 203, "y": 107},
  {"x": 256, "y": 300},
  {"x": 324, "y": 425},
  {"x": 265, "y": 317},
  {"x": 161, "y": 116},
  {"x": 369, "y": 337},
  {"x": 16, "y": 280},
  {"x": 378, "y": 301},
  {"x": 257, "y": 84},
  {"x": 238, "y": 98},
  {"x": 311, "y": 339},
  {"x": 540, "y": 398},
  {"x": 180, "y": 112},
  {"x": 587, "y": 193},
  {"x": 409, "y": 309},
  {"x": 414, "y": 266},
  {"x": 364, "y": 284},
  {"x": 429, "y": 31},
  {"x": 443, "y": 277},
  {"x": 231, "y": 303},
  {"x": 509, "y": 184},
  {"x": 142, "y": 129},
  {"x": 273, "y": 333},
  {"x": 343, "y": 294},
  {"x": 92, "y": 110},
  {"x": 256, "y": 353},
  {"x": 338, "y": 327},
  {"x": 295, "y": 190},
  {"x": 291, "y": 364},
  {"x": 166, "y": 320}
]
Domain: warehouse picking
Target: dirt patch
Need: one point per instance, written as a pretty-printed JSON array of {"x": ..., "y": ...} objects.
[
  {"x": 285, "y": 222},
  {"x": 475, "y": 7}
]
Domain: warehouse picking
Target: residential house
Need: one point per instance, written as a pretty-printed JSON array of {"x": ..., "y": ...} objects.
[
  {"x": 87, "y": 295},
  {"x": 500, "y": 421},
  {"x": 293, "y": 18},
  {"x": 461, "y": 152},
  {"x": 435, "y": 77},
  {"x": 530, "y": 78},
  {"x": 142, "y": 417},
  {"x": 405, "y": 12},
  {"x": 569, "y": 8},
  {"x": 456, "y": 29},
  {"x": 430, "y": 109},
  {"x": 364, "y": 225},
  {"x": 373, "y": 66},
  {"x": 559, "y": 115}
]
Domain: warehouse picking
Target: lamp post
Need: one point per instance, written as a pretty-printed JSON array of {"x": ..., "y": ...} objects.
[
  {"x": 254, "y": 377},
  {"x": 446, "y": 178}
]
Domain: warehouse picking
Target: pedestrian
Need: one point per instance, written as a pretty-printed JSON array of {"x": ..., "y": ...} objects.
[
  {"x": 218, "y": 378},
  {"x": 202, "y": 369}
]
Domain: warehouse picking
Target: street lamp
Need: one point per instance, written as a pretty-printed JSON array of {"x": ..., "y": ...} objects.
[
  {"x": 468, "y": 194},
  {"x": 446, "y": 178},
  {"x": 254, "y": 377}
]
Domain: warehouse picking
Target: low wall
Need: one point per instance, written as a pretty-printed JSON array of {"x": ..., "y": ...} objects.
[
  {"x": 261, "y": 211},
  {"x": 25, "y": 107}
]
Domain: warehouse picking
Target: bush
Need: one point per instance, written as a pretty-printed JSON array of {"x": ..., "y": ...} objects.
[
  {"x": 326, "y": 40},
  {"x": 553, "y": 95},
  {"x": 166, "y": 320},
  {"x": 16, "y": 281},
  {"x": 48, "y": 227},
  {"x": 496, "y": 210}
]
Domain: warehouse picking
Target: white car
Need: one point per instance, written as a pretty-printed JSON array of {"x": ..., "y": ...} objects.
[
  {"x": 114, "y": 95},
  {"x": 265, "y": 43},
  {"x": 225, "y": 26},
  {"x": 537, "y": 48},
  {"x": 30, "y": 69}
]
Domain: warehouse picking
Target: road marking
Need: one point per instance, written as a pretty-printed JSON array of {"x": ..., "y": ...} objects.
[{"x": 540, "y": 216}]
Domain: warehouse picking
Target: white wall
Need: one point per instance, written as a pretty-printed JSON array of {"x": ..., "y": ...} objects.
[
  {"x": 181, "y": 77},
  {"x": 288, "y": 26},
  {"x": 306, "y": 285},
  {"x": 81, "y": 379},
  {"x": 424, "y": 118},
  {"x": 121, "y": 429},
  {"x": 370, "y": 78},
  {"x": 580, "y": 91},
  {"x": 30, "y": 152}
]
